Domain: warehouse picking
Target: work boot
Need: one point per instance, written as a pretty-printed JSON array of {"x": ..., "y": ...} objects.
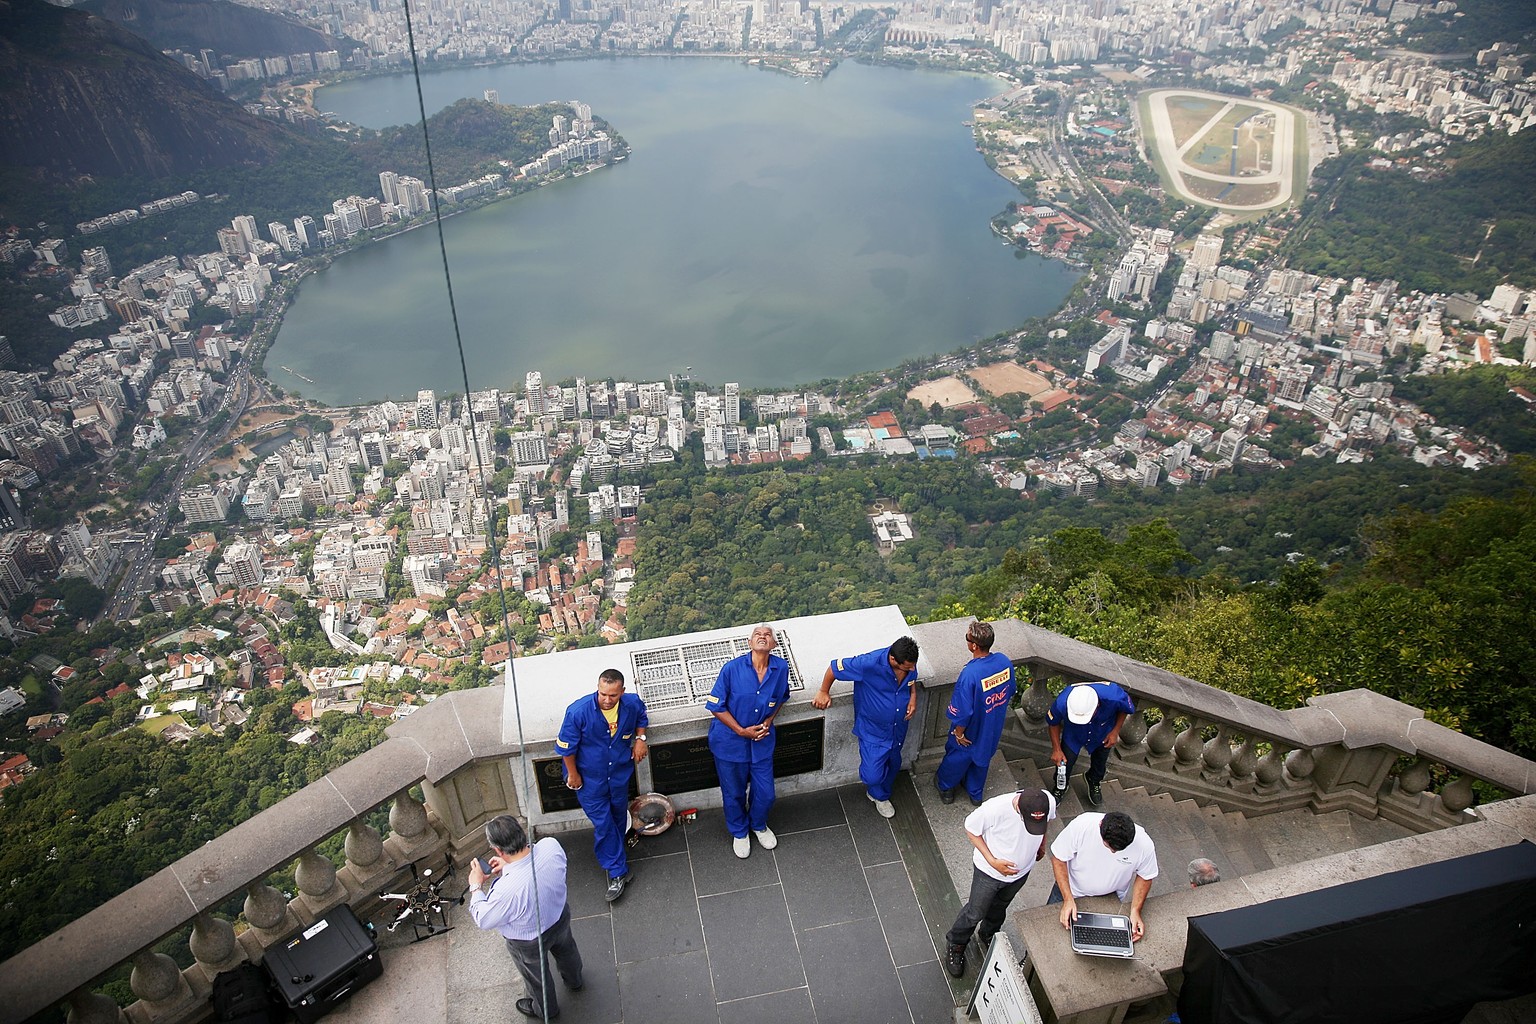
[{"x": 954, "y": 961}]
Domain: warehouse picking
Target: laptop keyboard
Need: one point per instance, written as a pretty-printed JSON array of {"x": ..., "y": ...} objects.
[{"x": 1088, "y": 936}]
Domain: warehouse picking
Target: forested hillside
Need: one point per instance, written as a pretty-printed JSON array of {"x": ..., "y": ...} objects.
[
  {"x": 720, "y": 550},
  {"x": 1469, "y": 229},
  {"x": 1442, "y": 617}
]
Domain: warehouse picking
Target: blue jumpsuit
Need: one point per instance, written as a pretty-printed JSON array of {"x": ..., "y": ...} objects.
[
  {"x": 982, "y": 697},
  {"x": 879, "y": 717},
  {"x": 1090, "y": 735},
  {"x": 606, "y": 764},
  {"x": 745, "y": 766}
]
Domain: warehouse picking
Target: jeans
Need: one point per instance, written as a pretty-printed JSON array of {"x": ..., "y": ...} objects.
[
  {"x": 988, "y": 907},
  {"x": 560, "y": 946}
]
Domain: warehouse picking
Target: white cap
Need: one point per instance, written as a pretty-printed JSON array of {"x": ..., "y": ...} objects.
[{"x": 1082, "y": 702}]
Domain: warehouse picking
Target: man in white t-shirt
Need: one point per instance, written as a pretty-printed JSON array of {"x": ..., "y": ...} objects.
[
  {"x": 1009, "y": 835},
  {"x": 1099, "y": 854}
]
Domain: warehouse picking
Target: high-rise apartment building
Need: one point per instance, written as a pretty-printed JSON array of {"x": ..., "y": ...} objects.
[
  {"x": 1207, "y": 252},
  {"x": 389, "y": 183},
  {"x": 304, "y": 228},
  {"x": 246, "y": 225},
  {"x": 533, "y": 386},
  {"x": 732, "y": 403}
]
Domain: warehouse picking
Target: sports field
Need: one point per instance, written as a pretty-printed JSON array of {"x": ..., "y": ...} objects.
[{"x": 1239, "y": 155}]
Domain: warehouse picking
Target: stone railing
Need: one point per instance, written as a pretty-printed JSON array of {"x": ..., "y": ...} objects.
[
  {"x": 451, "y": 748},
  {"x": 1338, "y": 752},
  {"x": 1356, "y": 751}
]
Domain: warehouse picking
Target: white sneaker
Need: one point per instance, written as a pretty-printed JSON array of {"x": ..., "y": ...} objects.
[
  {"x": 742, "y": 847},
  {"x": 766, "y": 839},
  {"x": 884, "y": 807}
]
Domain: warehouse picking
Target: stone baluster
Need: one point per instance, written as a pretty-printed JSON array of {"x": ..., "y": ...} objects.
[
  {"x": 270, "y": 920},
  {"x": 213, "y": 944},
  {"x": 366, "y": 863},
  {"x": 1414, "y": 779},
  {"x": 1299, "y": 765},
  {"x": 1132, "y": 733},
  {"x": 1215, "y": 755},
  {"x": 1270, "y": 769},
  {"x": 87, "y": 1007},
  {"x": 1245, "y": 762},
  {"x": 1457, "y": 796},
  {"x": 1036, "y": 700},
  {"x": 411, "y": 835},
  {"x": 1161, "y": 737},
  {"x": 318, "y": 889},
  {"x": 1188, "y": 747},
  {"x": 163, "y": 993}
]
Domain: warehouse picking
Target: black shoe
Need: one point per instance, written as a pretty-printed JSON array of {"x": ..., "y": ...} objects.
[
  {"x": 976, "y": 801},
  {"x": 576, "y": 987},
  {"x": 615, "y": 888},
  {"x": 1095, "y": 795},
  {"x": 954, "y": 961},
  {"x": 946, "y": 796},
  {"x": 527, "y": 1008}
]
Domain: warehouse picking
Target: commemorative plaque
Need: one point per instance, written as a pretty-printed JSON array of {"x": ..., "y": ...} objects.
[
  {"x": 683, "y": 766},
  {"x": 800, "y": 747},
  {"x": 549, "y": 780}
]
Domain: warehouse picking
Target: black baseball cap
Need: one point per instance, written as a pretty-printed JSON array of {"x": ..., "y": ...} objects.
[{"x": 1034, "y": 808}]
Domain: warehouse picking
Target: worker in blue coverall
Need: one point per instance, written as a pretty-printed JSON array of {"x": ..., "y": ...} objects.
[
  {"x": 1088, "y": 717},
  {"x": 601, "y": 741},
  {"x": 881, "y": 679},
  {"x": 749, "y": 692},
  {"x": 977, "y": 712}
]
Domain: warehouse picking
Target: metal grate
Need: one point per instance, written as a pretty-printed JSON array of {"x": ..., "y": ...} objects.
[{"x": 669, "y": 677}]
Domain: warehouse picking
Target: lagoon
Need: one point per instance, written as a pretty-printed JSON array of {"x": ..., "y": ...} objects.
[{"x": 767, "y": 229}]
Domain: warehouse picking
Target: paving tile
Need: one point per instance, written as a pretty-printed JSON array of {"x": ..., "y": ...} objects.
[
  {"x": 716, "y": 868},
  {"x": 751, "y": 946},
  {"x": 658, "y": 914},
  {"x": 805, "y": 811},
  {"x": 585, "y": 882},
  {"x": 908, "y": 935},
  {"x": 672, "y": 841},
  {"x": 926, "y": 987},
  {"x": 791, "y": 1007},
  {"x": 872, "y": 834},
  {"x": 822, "y": 879},
  {"x": 851, "y": 979},
  {"x": 669, "y": 990},
  {"x": 598, "y": 1002}
]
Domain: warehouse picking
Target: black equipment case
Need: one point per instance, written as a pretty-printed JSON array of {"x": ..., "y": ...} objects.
[{"x": 319, "y": 967}]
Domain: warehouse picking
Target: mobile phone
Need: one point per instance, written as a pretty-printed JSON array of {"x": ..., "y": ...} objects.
[{"x": 485, "y": 865}]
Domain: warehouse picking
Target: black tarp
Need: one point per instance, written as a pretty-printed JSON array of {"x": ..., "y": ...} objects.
[{"x": 1412, "y": 947}]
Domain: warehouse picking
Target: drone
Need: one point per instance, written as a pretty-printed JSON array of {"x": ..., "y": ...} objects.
[{"x": 424, "y": 906}]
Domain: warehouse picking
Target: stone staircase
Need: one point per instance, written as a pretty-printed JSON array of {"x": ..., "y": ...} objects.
[{"x": 1183, "y": 830}]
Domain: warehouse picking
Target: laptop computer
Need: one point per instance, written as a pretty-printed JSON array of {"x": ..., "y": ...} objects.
[{"x": 1102, "y": 935}]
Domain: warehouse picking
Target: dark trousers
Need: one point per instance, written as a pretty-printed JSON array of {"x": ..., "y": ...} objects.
[
  {"x": 560, "y": 946},
  {"x": 1098, "y": 763},
  {"x": 987, "y": 907}
]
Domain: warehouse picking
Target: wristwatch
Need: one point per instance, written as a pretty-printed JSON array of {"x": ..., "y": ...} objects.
[{"x": 641, "y": 737}]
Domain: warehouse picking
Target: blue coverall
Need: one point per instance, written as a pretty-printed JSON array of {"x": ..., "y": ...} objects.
[
  {"x": 745, "y": 766},
  {"x": 879, "y": 716},
  {"x": 982, "y": 697},
  {"x": 606, "y": 764}
]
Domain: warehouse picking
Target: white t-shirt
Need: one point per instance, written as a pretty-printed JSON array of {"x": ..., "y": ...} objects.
[
  {"x": 1093, "y": 869},
  {"x": 1000, "y": 826}
]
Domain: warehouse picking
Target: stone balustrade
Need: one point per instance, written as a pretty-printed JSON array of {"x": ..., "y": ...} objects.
[
  {"x": 1341, "y": 751},
  {"x": 1187, "y": 738}
]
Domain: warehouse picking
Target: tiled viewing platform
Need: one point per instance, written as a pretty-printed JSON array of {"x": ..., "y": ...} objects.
[
  {"x": 844, "y": 921},
  {"x": 826, "y": 928}
]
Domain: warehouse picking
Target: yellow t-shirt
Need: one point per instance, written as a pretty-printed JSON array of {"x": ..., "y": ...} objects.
[{"x": 612, "y": 715}]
